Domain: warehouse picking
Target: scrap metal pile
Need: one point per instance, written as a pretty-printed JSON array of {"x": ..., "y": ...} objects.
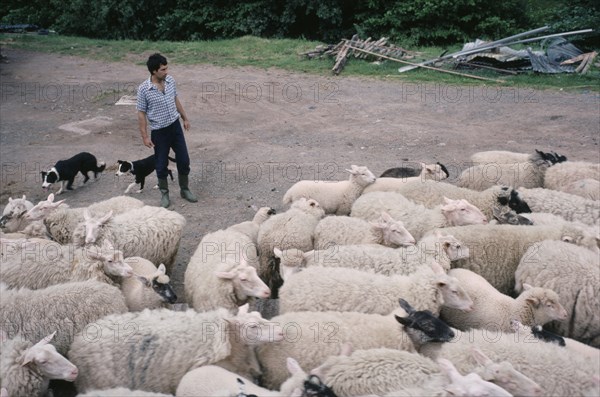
[{"x": 556, "y": 54}]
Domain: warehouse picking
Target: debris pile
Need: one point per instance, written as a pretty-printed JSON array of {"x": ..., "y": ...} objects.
[
  {"x": 556, "y": 56},
  {"x": 364, "y": 49}
]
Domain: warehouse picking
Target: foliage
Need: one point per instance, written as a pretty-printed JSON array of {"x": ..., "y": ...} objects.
[{"x": 406, "y": 22}]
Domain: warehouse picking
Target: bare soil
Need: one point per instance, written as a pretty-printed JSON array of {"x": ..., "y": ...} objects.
[{"x": 256, "y": 132}]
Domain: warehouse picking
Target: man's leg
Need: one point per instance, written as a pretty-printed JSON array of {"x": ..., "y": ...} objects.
[
  {"x": 183, "y": 163},
  {"x": 160, "y": 138}
]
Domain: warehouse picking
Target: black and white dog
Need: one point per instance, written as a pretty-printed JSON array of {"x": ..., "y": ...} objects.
[
  {"x": 64, "y": 171},
  {"x": 140, "y": 169}
]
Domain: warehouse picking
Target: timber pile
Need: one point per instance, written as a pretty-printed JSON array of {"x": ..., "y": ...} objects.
[{"x": 353, "y": 47}]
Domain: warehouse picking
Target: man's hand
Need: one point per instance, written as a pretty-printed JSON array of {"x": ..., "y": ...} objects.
[
  {"x": 147, "y": 141},
  {"x": 186, "y": 124}
]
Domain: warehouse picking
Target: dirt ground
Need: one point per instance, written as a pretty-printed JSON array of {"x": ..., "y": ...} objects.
[{"x": 256, "y": 132}]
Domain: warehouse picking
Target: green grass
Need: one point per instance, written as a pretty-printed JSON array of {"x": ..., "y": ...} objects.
[{"x": 284, "y": 54}]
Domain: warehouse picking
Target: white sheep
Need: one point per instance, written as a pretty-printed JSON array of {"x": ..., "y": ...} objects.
[
  {"x": 507, "y": 157},
  {"x": 293, "y": 228},
  {"x": 557, "y": 371},
  {"x": 344, "y": 230},
  {"x": 569, "y": 206},
  {"x": 222, "y": 272},
  {"x": 39, "y": 263},
  {"x": 12, "y": 219},
  {"x": 65, "y": 308},
  {"x": 382, "y": 371},
  {"x": 156, "y": 348},
  {"x": 213, "y": 381},
  {"x": 574, "y": 273},
  {"x": 495, "y": 250},
  {"x": 431, "y": 194},
  {"x": 122, "y": 392},
  {"x": 335, "y": 197},
  {"x": 60, "y": 221},
  {"x": 437, "y": 247},
  {"x": 546, "y": 218},
  {"x": 564, "y": 173},
  {"x": 311, "y": 337},
  {"x": 27, "y": 368},
  {"x": 329, "y": 288},
  {"x": 494, "y": 310},
  {"x": 250, "y": 228},
  {"x": 154, "y": 233},
  {"x": 417, "y": 219},
  {"x": 528, "y": 174},
  {"x": 148, "y": 288}
]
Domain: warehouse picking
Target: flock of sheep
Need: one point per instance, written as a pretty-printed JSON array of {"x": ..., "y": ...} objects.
[{"x": 399, "y": 285}]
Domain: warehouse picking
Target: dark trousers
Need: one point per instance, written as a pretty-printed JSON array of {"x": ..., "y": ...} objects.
[{"x": 165, "y": 139}]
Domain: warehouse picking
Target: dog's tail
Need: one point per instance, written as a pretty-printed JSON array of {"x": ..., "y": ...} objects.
[
  {"x": 173, "y": 159},
  {"x": 100, "y": 166}
]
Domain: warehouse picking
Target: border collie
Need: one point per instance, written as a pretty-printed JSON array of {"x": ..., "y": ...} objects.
[
  {"x": 140, "y": 169},
  {"x": 64, "y": 171}
]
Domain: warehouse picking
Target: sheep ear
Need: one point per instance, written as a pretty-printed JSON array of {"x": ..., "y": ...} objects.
[
  {"x": 144, "y": 281},
  {"x": 278, "y": 253},
  {"x": 526, "y": 286},
  {"x": 480, "y": 357},
  {"x": 535, "y": 302},
  {"x": 567, "y": 239},
  {"x": 386, "y": 217},
  {"x": 106, "y": 217},
  {"x": 293, "y": 367},
  {"x": 86, "y": 214},
  {"x": 3, "y": 392},
  {"x": 46, "y": 339},
  {"x": 162, "y": 269},
  {"x": 50, "y": 198}
]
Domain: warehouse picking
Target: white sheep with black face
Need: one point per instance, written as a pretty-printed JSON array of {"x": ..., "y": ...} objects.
[
  {"x": 293, "y": 228},
  {"x": 149, "y": 286},
  {"x": 311, "y": 337},
  {"x": 335, "y": 197},
  {"x": 528, "y": 174},
  {"x": 431, "y": 194},
  {"x": 27, "y": 368}
]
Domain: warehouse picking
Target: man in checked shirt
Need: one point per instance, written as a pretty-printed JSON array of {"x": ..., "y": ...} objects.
[{"x": 158, "y": 105}]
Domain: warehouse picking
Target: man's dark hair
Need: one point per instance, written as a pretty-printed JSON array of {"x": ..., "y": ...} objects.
[{"x": 155, "y": 61}]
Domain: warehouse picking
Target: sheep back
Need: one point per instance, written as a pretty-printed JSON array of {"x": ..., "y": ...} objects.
[{"x": 65, "y": 308}]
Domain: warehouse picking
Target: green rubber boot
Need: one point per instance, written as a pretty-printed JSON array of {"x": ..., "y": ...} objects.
[
  {"x": 163, "y": 186},
  {"x": 186, "y": 194}
]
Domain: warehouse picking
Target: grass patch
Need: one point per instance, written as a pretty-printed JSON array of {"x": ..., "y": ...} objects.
[{"x": 282, "y": 53}]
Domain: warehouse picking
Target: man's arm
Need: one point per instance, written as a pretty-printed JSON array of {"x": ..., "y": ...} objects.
[
  {"x": 143, "y": 124},
  {"x": 186, "y": 121}
]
